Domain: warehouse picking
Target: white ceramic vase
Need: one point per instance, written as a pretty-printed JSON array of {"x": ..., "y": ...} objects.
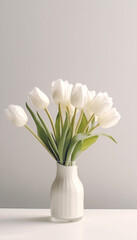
[{"x": 67, "y": 194}]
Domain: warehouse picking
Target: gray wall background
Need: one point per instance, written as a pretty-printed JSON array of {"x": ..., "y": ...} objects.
[{"x": 88, "y": 41}]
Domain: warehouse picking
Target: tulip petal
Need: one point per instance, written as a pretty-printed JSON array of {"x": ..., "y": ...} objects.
[
  {"x": 16, "y": 115},
  {"x": 79, "y": 96},
  {"x": 38, "y": 98},
  {"x": 100, "y": 103},
  {"x": 109, "y": 119}
]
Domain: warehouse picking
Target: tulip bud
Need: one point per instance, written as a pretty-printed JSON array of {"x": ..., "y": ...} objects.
[
  {"x": 60, "y": 92},
  {"x": 79, "y": 96},
  {"x": 109, "y": 118},
  {"x": 38, "y": 98},
  {"x": 16, "y": 115},
  {"x": 100, "y": 103}
]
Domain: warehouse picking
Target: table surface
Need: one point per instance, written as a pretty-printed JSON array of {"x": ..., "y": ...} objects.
[{"x": 96, "y": 224}]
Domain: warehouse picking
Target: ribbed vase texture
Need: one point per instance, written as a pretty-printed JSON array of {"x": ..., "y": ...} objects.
[{"x": 67, "y": 194}]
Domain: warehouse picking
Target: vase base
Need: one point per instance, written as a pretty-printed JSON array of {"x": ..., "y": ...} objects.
[{"x": 64, "y": 220}]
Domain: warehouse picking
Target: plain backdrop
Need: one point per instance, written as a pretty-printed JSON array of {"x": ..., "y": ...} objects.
[{"x": 89, "y": 41}]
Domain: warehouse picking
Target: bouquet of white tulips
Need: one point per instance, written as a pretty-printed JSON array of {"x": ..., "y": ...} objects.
[{"x": 80, "y": 112}]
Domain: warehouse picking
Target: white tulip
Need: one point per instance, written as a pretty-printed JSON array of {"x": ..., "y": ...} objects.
[
  {"x": 109, "y": 118},
  {"x": 100, "y": 103},
  {"x": 16, "y": 115},
  {"x": 79, "y": 96},
  {"x": 38, "y": 98},
  {"x": 90, "y": 96},
  {"x": 60, "y": 92},
  {"x": 68, "y": 89}
]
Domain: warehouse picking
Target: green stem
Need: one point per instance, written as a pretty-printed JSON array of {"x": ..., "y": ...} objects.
[
  {"x": 78, "y": 123},
  {"x": 68, "y": 113},
  {"x": 88, "y": 122},
  {"x": 60, "y": 115},
  {"x": 51, "y": 121},
  {"x": 39, "y": 140},
  {"x": 93, "y": 128},
  {"x": 73, "y": 123}
]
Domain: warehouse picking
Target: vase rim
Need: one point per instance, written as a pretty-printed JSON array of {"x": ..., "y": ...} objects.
[{"x": 63, "y": 166}]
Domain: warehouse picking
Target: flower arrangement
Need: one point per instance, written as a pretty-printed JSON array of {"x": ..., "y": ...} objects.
[{"x": 80, "y": 112}]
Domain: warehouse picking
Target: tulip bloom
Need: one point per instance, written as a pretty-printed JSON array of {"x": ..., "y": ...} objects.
[
  {"x": 71, "y": 134},
  {"x": 109, "y": 118},
  {"x": 68, "y": 89},
  {"x": 100, "y": 103},
  {"x": 60, "y": 92},
  {"x": 79, "y": 96},
  {"x": 38, "y": 98},
  {"x": 90, "y": 96},
  {"x": 16, "y": 115}
]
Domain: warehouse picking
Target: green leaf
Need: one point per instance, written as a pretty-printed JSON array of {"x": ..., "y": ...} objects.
[
  {"x": 53, "y": 137},
  {"x": 76, "y": 151},
  {"x": 37, "y": 122},
  {"x": 57, "y": 127},
  {"x": 50, "y": 138},
  {"x": 92, "y": 124},
  {"x": 83, "y": 124},
  {"x": 74, "y": 141},
  {"x": 67, "y": 142},
  {"x": 88, "y": 142},
  {"x": 87, "y": 129},
  {"x": 61, "y": 142},
  {"x": 40, "y": 131},
  {"x": 106, "y": 135}
]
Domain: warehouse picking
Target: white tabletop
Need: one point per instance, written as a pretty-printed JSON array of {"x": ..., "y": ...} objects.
[{"x": 99, "y": 224}]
